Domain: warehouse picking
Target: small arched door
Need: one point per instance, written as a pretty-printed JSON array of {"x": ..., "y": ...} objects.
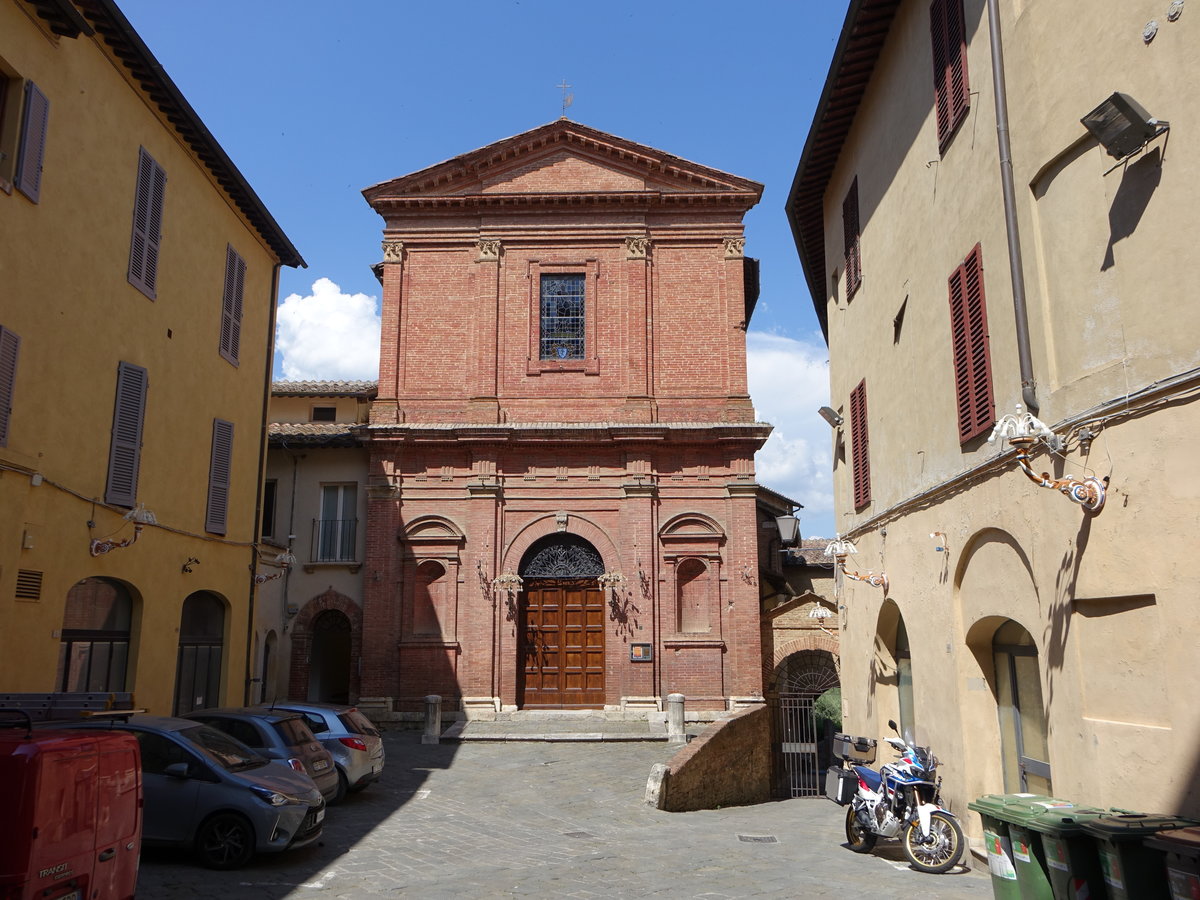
[
  {"x": 1023, "y": 738},
  {"x": 561, "y": 625},
  {"x": 201, "y": 646},
  {"x": 329, "y": 666},
  {"x": 94, "y": 653}
]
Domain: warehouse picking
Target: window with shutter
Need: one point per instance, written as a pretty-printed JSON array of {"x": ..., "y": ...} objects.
[
  {"x": 860, "y": 449},
  {"x": 972, "y": 357},
  {"x": 220, "y": 464},
  {"x": 10, "y": 344},
  {"x": 231, "y": 305},
  {"x": 850, "y": 230},
  {"x": 147, "y": 224},
  {"x": 28, "y": 175},
  {"x": 125, "y": 451},
  {"x": 951, "y": 94}
]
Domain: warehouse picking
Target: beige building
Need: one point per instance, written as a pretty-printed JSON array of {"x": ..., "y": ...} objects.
[
  {"x": 140, "y": 277},
  {"x": 1037, "y": 644},
  {"x": 309, "y": 622}
]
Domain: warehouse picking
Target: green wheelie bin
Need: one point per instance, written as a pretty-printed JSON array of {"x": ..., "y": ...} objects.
[
  {"x": 1182, "y": 849},
  {"x": 1029, "y": 870},
  {"x": 997, "y": 822},
  {"x": 1072, "y": 860},
  {"x": 1132, "y": 870}
]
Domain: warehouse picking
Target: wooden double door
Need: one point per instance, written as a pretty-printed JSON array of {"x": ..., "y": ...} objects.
[{"x": 561, "y": 644}]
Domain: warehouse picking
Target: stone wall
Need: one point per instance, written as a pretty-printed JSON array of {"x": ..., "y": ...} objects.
[{"x": 728, "y": 765}]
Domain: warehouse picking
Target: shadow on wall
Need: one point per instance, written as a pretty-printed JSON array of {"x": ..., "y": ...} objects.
[{"x": 1138, "y": 183}]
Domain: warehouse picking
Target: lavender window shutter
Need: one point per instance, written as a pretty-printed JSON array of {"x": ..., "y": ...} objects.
[
  {"x": 220, "y": 464},
  {"x": 147, "y": 224},
  {"x": 10, "y": 344},
  {"x": 125, "y": 452},
  {"x": 33, "y": 142}
]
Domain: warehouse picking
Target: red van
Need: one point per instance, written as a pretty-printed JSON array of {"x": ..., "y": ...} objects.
[{"x": 72, "y": 803}]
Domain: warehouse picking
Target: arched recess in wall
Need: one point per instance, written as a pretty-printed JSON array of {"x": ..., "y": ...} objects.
[
  {"x": 201, "y": 658},
  {"x": 304, "y": 641},
  {"x": 691, "y": 550},
  {"x": 270, "y": 668},
  {"x": 891, "y": 670},
  {"x": 96, "y": 637},
  {"x": 994, "y": 586},
  {"x": 431, "y": 548}
]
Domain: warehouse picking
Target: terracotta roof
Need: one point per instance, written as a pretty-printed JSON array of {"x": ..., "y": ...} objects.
[
  {"x": 314, "y": 434},
  {"x": 812, "y": 552},
  {"x": 323, "y": 388},
  {"x": 777, "y": 498},
  {"x": 863, "y": 35},
  {"x": 106, "y": 19}
]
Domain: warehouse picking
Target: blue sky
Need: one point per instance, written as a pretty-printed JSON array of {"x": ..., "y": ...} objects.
[{"x": 316, "y": 101}]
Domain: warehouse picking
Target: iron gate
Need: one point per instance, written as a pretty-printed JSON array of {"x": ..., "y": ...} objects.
[{"x": 802, "y": 751}]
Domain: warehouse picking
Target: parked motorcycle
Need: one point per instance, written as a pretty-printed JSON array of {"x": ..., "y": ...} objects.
[{"x": 902, "y": 800}]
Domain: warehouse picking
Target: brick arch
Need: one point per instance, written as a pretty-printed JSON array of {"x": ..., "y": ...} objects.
[
  {"x": 546, "y": 525},
  {"x": 817, "y": 640},
  {"x": 302, "y": 640}
]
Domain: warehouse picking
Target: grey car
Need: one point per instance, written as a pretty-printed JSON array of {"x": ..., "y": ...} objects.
[
  {"x": 205, "y": 790},
  {"x": 277, "y": 734},
  {"x": 346, "y": 733}
]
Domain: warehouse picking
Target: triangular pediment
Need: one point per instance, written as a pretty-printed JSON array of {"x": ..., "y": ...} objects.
[{"x": 563, "y": 157}]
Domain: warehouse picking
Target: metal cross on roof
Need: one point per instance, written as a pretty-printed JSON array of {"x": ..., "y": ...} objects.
[{"x": 567, "y": 99}]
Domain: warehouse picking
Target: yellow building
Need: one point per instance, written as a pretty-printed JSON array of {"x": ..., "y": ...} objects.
[
  {"x": 1038, "y": 644},
  {"x": 136, "y": 321}
]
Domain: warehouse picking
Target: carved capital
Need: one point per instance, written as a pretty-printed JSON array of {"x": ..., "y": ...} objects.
[
  {"x": 637, "y": 247},
  {"x": 393, "y": 251},
  {"x": 489, "y": 251},
  {"x": 734, "y": 247}
]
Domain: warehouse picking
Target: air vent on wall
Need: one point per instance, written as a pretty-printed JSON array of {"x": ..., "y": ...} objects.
[{"x": 29, "y": 585}]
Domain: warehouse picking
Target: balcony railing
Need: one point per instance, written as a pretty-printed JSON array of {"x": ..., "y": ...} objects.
[{"x": 335, "y": 540}]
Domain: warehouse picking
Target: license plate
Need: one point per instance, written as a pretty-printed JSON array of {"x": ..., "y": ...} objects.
[
  {"x": 320, "y": 765},
  {"x": 74, "y": 895},
  {"x": 320, "y": 817}
]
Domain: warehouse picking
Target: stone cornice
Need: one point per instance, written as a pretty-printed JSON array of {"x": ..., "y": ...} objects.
[
  {"x": 567, "y": 433},
  {"x": 627, "y": 199}
]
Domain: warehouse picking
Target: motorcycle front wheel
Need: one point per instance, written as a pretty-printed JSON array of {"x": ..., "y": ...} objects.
[
  {"x": 859, "y": 838},
  {"x": 940, "y": 851}
]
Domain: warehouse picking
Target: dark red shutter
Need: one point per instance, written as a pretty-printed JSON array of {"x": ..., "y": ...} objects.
[
  {"x": 972, "y": 356},
  {"x": 28, "y": 179},
  {"x": 231, "y": 305},
  {"x": 951, "y": 94},
  {"x": 147, "y": 224},
  {"x": 125, "y": 452},
  {"x": 9, "y": 345},
  {"x": 219, "y": 466},
  {"x": 850, "y": 231},
  {"x": 860, "y": 445}
]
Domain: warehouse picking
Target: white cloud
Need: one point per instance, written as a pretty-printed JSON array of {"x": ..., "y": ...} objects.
[
  {"x": 328, "y": 335},
  {"x": 789, "y": 382}
]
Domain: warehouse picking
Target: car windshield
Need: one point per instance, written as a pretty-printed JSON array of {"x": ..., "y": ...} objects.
[
  {"x": 227, "y": 752},
  {"x": 357, "y": 723}
]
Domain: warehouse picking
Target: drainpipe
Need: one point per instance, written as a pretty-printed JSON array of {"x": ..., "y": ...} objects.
[
  {"x": 1016, "y": 270},
  {"x": 258, "y": 496}
]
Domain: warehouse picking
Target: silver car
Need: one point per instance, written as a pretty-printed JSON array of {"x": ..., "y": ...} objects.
[
  {"x": 349, "y": 736},
  {"x": 205, "y": 790}
]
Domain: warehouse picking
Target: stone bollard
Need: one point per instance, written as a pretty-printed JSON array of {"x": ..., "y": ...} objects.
[
  {"x": 433, "y": 720},
  {"x": 675, "y": 732}
]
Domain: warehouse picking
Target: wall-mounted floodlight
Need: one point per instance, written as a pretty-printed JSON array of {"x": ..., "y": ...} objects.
[
  {"x": 1122, "y": 125},
  {"x": 829, "y": 415}
]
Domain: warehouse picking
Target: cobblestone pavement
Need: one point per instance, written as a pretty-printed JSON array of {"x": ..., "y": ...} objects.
[{"x": 531, "y": 819}]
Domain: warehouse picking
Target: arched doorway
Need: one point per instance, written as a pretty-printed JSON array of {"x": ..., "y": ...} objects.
[
  {"x": 802, "y": 726},
  {"x": 560, "y": 632},
  {"x": 94, "y": 653},
  {"x": 270, "y": 668},
  {"x": 1024, "y": 747},
  {"x": 201, "y": 646},
  {"x": 329, "y": 665}
]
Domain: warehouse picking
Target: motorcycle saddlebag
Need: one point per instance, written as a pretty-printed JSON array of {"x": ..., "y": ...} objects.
[
  {"x": 854, "y": 749},
  {"x": 840, "y": 784}
]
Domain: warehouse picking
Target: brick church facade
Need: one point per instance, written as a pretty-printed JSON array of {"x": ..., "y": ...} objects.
[{"x": 561, "y": 500}]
